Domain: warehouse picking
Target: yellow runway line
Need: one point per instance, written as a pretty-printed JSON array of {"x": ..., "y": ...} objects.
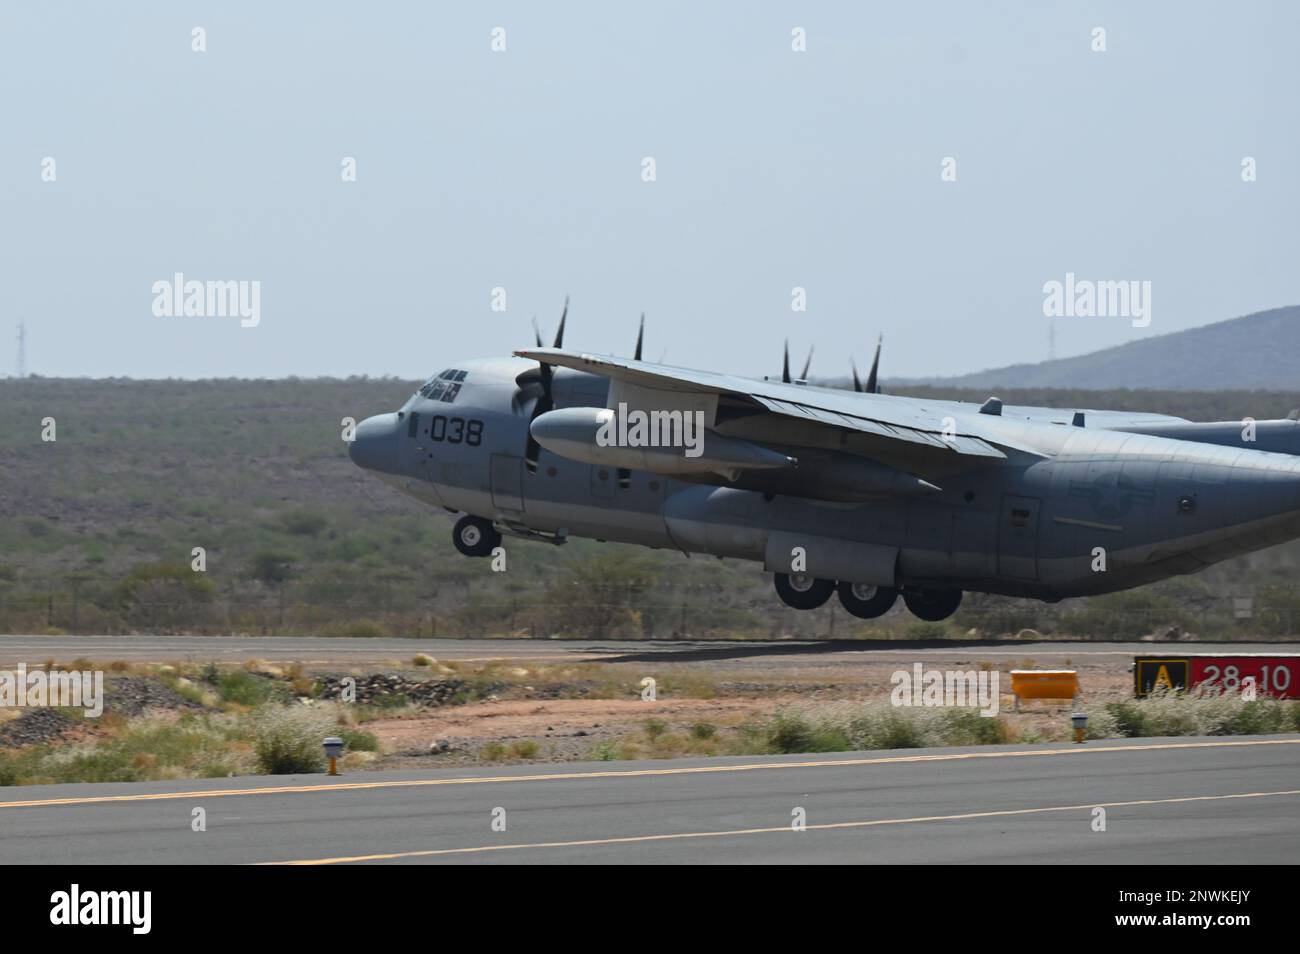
[
  {"x": 633, "y": 839},
  {"x": 634, "y": 773}
]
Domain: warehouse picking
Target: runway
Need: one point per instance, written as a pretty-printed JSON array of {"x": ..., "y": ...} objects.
[
  {"x": 1219, "y": 800},
  {"x": 325, "y": 651}
]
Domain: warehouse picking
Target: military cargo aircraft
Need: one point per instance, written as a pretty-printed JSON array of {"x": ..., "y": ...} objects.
[{"x": 858, "y": 493}]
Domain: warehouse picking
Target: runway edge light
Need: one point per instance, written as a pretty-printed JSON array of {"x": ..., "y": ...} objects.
[
  {"x": 1080, "y": 720},
  {"x": 333, "y": 751}
]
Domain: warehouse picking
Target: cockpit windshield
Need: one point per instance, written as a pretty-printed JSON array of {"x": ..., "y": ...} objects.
[{"x": 444, "y": 386}]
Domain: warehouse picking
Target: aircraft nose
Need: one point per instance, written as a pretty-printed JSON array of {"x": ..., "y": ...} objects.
[{"x": 377, "y": 444}]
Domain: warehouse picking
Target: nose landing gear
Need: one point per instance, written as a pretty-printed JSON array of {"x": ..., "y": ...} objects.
[{"x": 475, "y": 537}]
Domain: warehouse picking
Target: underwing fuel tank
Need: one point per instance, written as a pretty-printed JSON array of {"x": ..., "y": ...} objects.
[{"x": 662, "y": 442}]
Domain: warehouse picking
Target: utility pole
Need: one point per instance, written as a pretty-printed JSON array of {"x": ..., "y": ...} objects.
[{"x": 22, "y": 348}]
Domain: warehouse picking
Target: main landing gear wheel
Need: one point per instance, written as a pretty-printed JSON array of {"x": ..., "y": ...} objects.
[
  {"x": 475, "y": 537},
  {"x": 932, "y": 605},
  {"x": 866, "y": 601},
  {"x": 803, "y": 592}
]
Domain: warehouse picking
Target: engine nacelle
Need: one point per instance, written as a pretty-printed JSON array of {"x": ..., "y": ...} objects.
[{"x": 661, "y": 442}]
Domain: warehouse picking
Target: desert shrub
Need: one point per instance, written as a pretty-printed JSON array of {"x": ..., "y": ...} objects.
[
  {"x": 272, "y": 567},
  {"x": 881, "y": 727},
  {"x": 524, "y": 749},
  {"x": 1000, "y": 614},
  {"x": 287, "y": 740},
  {"x": 794, "y": 732},
  {"x": 163, "y": 596},
  {"x": 1125, "y": 615},
  {"x": 358, "y": 740},
  {"x": 597, "y": 597},
  {"x": 304, "y": 522},
  {"x": 1191, "y": 713},
  {"x": 247, "y": 688},
  {"x": 143, "y": 750},
  {"x": 921, "y": 629},
  {"x": 1125, "y": 719},
  {"x": 1278, "y": 610},
  {"x": 968, "y": 727}
]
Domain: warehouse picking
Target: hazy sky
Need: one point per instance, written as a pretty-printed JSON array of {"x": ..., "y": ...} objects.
[{"x": 523, "y": 169}]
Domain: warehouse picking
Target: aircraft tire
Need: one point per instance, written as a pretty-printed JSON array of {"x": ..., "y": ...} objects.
[
  {"x": 865, "y": 601},
  {"x": 932, "y": 605},
  {"x": 475, "y": 537},
  {"x": 803, "y": 592}
]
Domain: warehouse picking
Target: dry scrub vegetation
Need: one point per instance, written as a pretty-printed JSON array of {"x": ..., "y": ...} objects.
[
  {"x": 214, "y": 721},
  {"x": 301, "y": 541}
]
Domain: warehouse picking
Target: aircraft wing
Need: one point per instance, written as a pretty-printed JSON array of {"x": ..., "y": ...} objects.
[{"x": 905, "y": 419}]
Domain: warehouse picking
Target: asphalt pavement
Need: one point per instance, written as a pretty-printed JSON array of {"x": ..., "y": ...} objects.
[{"x": 1214, "y": 800}]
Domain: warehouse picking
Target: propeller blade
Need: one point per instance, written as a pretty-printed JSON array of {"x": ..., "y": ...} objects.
[
  {"x": 546, "y": 399},
  {"x": 559, "y": 334},
  {"x": 803, "y": 375},
  {"x": 624, "y": 474},
  {"x": 785, "y": 368},
  {"x": 533, "y": 450},
  {"x": 531, "y": 453},
  {"x": 857, "y": 383},
  {"x": 873, "y": 385},
  {"x": 537, "y": 332}
]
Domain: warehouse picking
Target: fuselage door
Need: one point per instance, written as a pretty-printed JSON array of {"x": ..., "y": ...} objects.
[
  {"x": 507, "y": 482},
  {"x": 1018, "y": 538}
]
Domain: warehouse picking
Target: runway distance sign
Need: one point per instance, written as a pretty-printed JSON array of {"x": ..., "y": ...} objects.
[{"x": 1276, "y": 676}]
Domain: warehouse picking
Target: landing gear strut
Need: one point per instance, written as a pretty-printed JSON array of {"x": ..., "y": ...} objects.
[
  {"x": 475, "y": 537},
  {"x": 866, "y": 601},
  {"x": 803, "y": 592},
  {"x": 932, "y": 605}
]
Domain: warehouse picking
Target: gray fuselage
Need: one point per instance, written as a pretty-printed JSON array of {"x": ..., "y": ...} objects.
[{"x": 1073, "y": 510}]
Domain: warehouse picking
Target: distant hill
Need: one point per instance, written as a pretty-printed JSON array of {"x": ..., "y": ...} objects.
[{"x": 1256, "y": 352}]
